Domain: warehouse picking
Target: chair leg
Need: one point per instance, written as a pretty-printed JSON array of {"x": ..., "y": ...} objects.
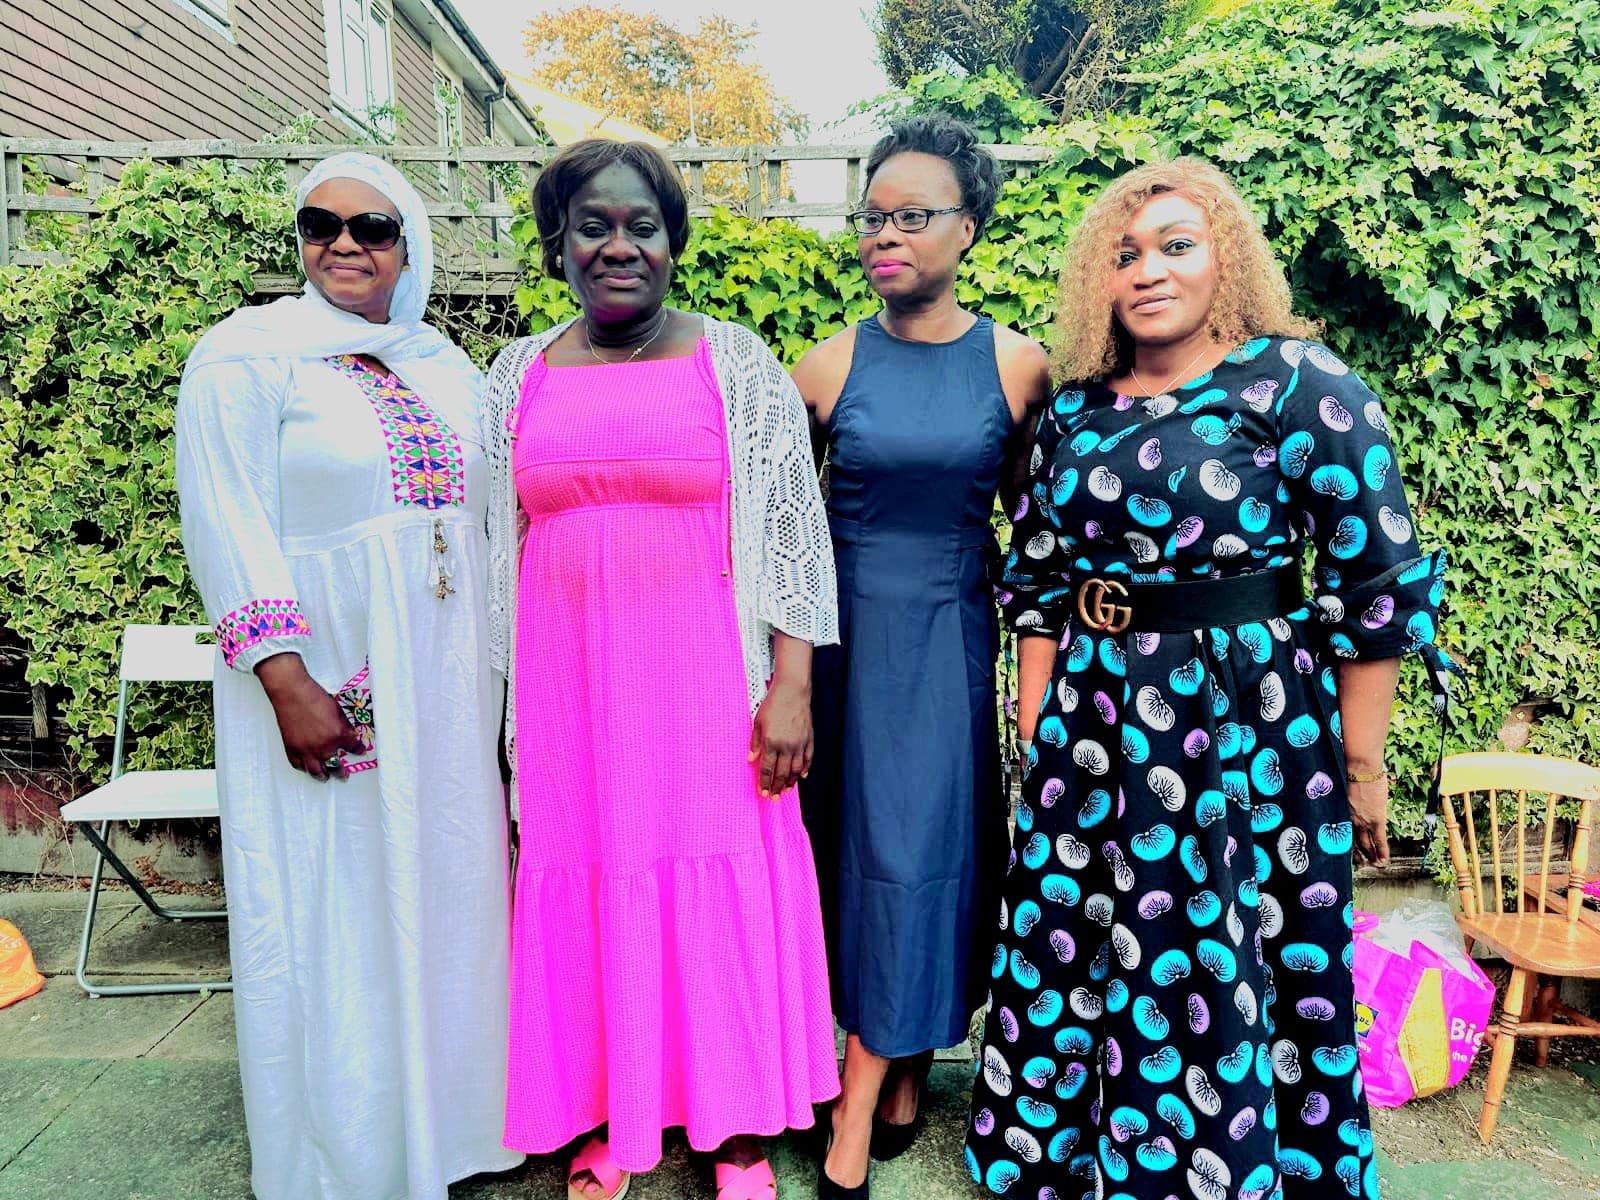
[
  {"x": 1544, "y": 1009},
  {"x": 88, "y": 923},
  {"x": 1500, "y": 1058},
  {"x": 103, "y": 855}
]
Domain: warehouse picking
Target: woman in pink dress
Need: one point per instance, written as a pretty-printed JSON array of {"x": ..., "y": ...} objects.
[{"x": 660, "y": 571}]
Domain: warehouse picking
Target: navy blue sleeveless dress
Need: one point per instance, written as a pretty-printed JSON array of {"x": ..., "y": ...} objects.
[{"x": 904, "y": 802}]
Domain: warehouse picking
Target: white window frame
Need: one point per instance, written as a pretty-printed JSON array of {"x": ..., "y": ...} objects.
[
  {"x": 449, "y": 127},
  {"x": 211, "y": 13},
  {"x": 359, "y": 41}
]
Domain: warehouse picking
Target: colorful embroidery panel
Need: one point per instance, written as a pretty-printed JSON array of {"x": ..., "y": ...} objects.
[
  {"x": 355, "y": 700},
  {"x": 256, "y": 621},
  {"x": 425, "y": 456}
]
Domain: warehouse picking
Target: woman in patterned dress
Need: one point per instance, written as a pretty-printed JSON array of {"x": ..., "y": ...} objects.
[
  {"x": 1171, "y": 999},
  {"x": 333, "y": 491}
]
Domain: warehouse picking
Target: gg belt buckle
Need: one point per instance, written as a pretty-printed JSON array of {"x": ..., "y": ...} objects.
[{"x": 1096, "y": 612}]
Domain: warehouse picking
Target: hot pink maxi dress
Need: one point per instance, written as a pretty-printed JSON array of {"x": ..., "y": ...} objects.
[{"x": 668, "y": 966}]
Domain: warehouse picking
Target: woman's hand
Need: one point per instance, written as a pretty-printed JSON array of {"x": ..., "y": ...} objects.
[
  {"x": 310, "y": 721},
  {"x": 781, "y": 738},
  {"x": 1369, "y": 815}
]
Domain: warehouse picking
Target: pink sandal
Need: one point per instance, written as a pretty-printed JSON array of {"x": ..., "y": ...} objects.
[
  {"x": 755, "y": 1182},
  {"x": 595, "y": 1158}
]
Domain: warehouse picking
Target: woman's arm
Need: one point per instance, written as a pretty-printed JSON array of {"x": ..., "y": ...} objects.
[
  {"x": 227, "y": 474},
  {"x": 1376, "y": 593},
  {"x": 1025, "y": 379},
  {"x": 1366, "y": 698},
  {"x": 1036, "y": 660}
]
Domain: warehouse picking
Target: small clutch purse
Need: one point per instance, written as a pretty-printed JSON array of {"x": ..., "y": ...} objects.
[{"x": 355, "y": 700}]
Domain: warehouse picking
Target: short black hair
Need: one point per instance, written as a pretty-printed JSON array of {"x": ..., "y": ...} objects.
[
  {"x": 977, "y": 171},
  {"x": 573, "y": 166}
]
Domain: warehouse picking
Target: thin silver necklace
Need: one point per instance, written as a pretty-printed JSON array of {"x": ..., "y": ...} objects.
[
  {"x": 1182, "y": 374},
  {"x": 617, "y": 362}
]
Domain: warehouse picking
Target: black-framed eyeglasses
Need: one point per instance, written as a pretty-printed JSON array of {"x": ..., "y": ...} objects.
[
  {"x": 906, "y": 220},
  {"x": 370, "y": 230}
]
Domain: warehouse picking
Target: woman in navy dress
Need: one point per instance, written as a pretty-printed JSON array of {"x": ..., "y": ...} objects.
[
  {"x": 1172, "y": 1010},
  {"x": 922, "y": 407}
]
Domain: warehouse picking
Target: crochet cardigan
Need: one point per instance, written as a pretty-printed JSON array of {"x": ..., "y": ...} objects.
[{"x": 783, "y": 574}]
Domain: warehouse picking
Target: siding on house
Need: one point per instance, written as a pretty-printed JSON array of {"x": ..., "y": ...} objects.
[
  {"x": 152, "y": 70},
  {"x": 148, "y": 70}
]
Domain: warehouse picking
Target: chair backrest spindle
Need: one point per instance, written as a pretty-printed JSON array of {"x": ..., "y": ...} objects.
[
  {"x": 1475, "y": 863},
  {"x": 1494, "y": 848},
  {"x": 1578, "y": 870},
  {"x": 1549, "y": 841},
  {"x": 1522, "y": 847},
  {"x": 1458, "y": 859}
]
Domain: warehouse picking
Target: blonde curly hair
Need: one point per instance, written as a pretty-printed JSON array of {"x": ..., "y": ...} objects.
[{"x": 1252, "y": 297}]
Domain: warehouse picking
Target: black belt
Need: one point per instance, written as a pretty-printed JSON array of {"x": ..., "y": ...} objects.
[{"x": 1115, "y": 605}]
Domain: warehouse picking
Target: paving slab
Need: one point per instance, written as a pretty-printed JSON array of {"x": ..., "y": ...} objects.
[
  {"x": 53, "y": 923},
  {"x": 143, "y": 944},
  {"x": 147, "y": 1129},
  {"x": 205, "y": 1035},
  {"x": 1548, "y": 1130},
  {"x": 63, "y": 1022},
  {"x": 1468, "y": 1181},
  {"x": 34, "y": 1092}
]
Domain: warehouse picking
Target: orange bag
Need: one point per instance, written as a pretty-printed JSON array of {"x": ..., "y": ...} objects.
[{"x": 19, "y": 978}]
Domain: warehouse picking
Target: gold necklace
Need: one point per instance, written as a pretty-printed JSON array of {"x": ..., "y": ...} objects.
[
  {"x": 1182, "y": 373},
  {"x": 617, "y": 362}
]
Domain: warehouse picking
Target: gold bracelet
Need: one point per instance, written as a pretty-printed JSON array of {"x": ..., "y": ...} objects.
[{"x": 1366, "y": 776}]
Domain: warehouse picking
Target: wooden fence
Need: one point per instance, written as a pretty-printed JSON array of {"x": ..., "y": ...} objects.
[{"x": 474, "y": 246}]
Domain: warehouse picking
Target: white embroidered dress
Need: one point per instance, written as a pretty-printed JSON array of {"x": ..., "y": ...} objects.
[{"x": 368, "y": 916}]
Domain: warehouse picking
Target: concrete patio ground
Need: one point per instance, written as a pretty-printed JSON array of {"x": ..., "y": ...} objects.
[{"x": 137, "y": 1098}]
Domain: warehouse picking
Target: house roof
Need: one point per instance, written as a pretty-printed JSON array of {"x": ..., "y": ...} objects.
[{"x": 569, "y": 120}]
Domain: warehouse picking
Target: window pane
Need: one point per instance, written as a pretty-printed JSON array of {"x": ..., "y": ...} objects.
[
  {"x": 338, "y": 65},
  {"x": 382, "y": 84}
]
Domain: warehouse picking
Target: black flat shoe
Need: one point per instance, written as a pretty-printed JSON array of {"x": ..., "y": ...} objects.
[
  {"x": 890, "y": 1141},
  {"x": 827, "y": 1189}
]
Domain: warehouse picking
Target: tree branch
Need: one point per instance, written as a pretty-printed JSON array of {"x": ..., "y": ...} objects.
[
  {"x": 1090, "y": 36},
  {"x": 1038, "y": 85}
]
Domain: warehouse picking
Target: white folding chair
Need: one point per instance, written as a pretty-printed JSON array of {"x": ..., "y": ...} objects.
[{"x": 150, "y": 654}]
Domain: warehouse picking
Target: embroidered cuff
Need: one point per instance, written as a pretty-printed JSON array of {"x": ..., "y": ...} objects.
[{"x": 241, "y": 634}]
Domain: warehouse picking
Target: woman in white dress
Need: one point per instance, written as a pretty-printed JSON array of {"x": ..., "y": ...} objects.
[{"x": 333, "y": 493}]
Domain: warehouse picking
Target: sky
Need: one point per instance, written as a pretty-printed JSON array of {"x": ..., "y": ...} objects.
[{"x": 820, "y": 54}]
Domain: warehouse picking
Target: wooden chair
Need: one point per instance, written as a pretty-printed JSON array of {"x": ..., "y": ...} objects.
[{"x": 1541, "y": 946}]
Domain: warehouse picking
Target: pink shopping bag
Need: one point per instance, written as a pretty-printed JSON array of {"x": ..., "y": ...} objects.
[{"x": 1422, "y": 1004}]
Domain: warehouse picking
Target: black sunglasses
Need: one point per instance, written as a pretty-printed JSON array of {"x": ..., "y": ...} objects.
[{"x": 370, "y": 231}]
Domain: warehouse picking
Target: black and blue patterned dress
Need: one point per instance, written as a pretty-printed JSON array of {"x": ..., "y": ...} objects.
[{"x": 1171, "y": 998}]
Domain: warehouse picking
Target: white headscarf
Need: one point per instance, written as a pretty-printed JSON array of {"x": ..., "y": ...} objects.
[{"x": 307, "y": 326}]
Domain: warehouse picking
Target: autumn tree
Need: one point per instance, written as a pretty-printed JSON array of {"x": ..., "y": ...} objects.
[{"x": 642, "y": 68}]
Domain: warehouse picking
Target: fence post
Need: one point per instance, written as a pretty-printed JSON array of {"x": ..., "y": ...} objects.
[
  {"x": 755, "y": 209},
  {"x": 457, "y": 225},
  {"x": 852, "y": 182},
  {"x": 5, "y": 207},
  {"x": 18, "y": 221},
  {"x": 94, "y": 177},
  {"x": 697, "y": 183}
]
